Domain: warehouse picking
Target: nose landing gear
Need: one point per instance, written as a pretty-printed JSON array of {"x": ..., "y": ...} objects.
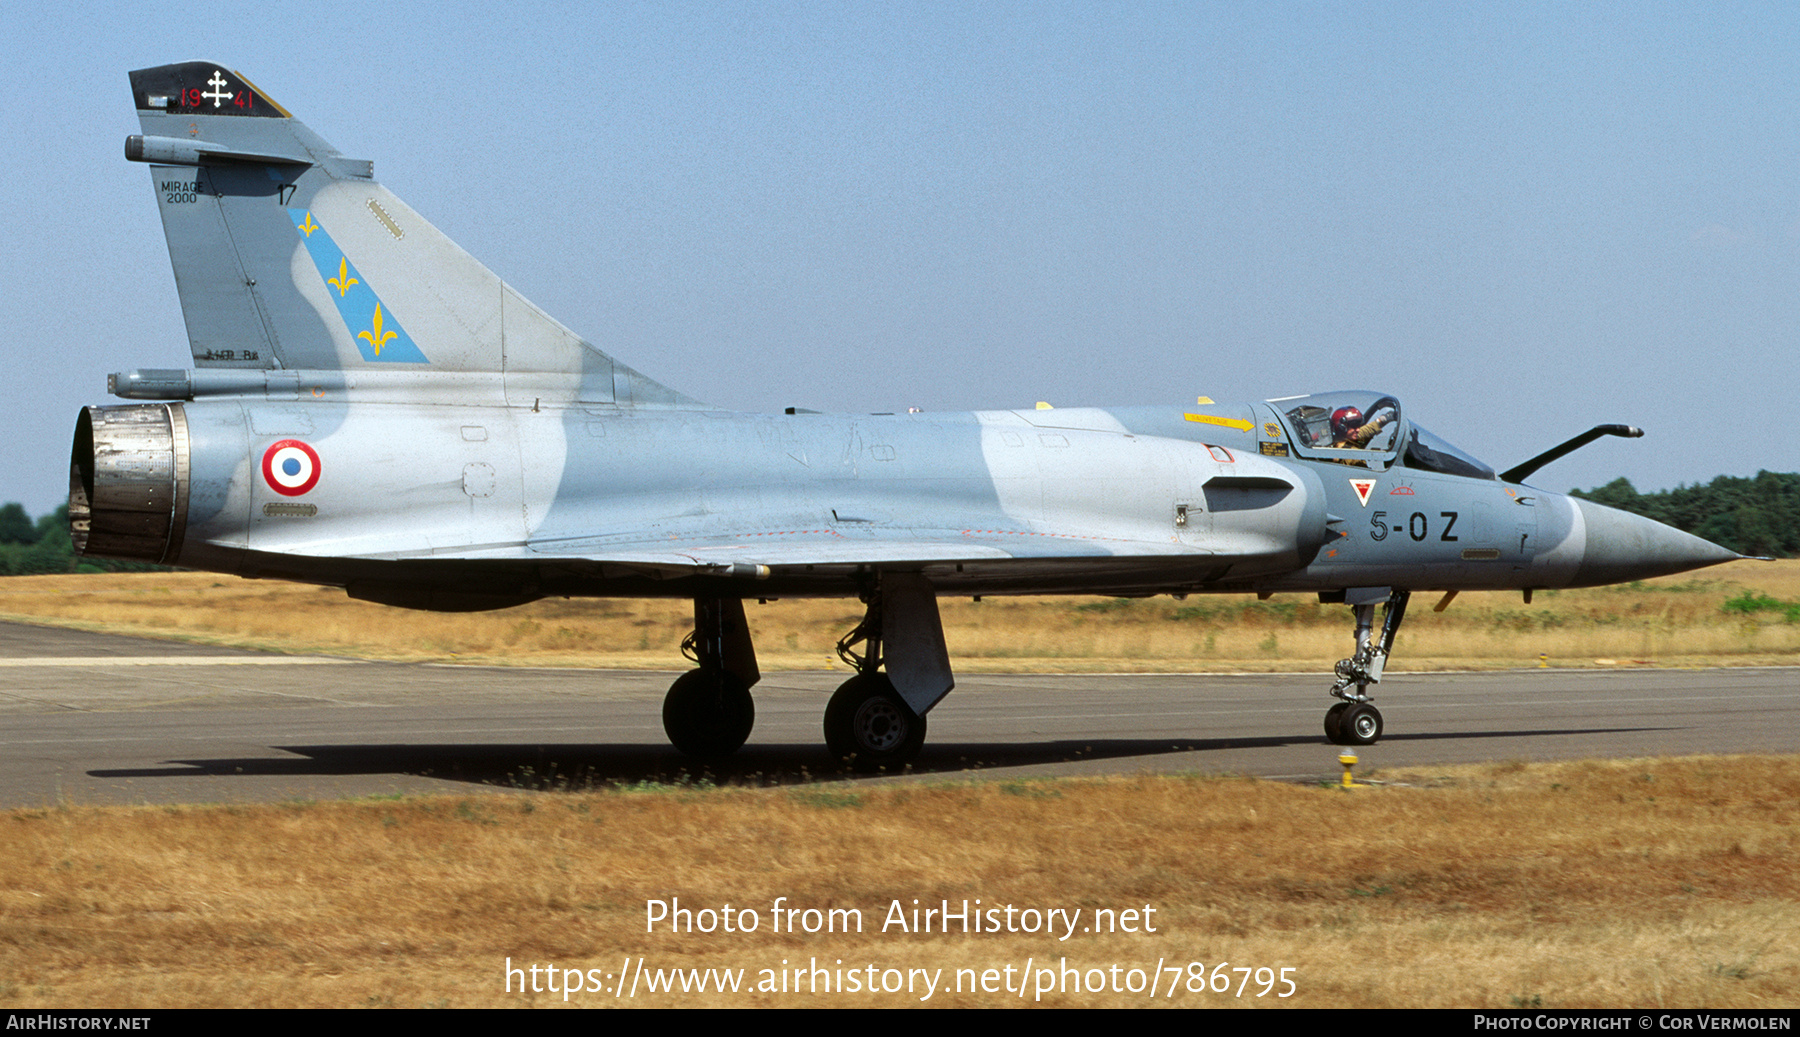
[{"x": 1355, "y": 720}]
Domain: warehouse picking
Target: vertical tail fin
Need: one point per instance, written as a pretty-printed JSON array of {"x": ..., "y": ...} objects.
[{"x": 289, "y": 255}]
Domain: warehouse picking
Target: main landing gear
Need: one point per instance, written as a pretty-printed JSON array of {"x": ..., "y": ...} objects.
[
  {"x": 708, "y": 711},
  {"x": 869, "y": 726},
  {"x": 1355, "y": 720},
  {"x": 876, "y": 719}
]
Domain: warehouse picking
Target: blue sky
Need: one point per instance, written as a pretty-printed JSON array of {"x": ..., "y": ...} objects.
[{"x": 1521, "y": 219}]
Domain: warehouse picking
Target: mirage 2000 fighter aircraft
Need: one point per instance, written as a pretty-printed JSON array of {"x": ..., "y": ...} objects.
[{"x": 371, "y": 408}]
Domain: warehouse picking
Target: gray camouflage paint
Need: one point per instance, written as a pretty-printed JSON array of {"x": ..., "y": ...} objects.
[{"x": 517, "y": 460}]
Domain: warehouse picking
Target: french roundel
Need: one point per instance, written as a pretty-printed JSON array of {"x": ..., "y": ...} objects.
[{"x": 290, "y": 467}]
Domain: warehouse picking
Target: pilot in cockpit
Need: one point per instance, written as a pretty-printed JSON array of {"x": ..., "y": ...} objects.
[{"x": 1350, "y": 431}]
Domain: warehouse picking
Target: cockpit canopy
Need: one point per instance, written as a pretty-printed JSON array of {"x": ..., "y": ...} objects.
[{"x": 1367, "y": 429}]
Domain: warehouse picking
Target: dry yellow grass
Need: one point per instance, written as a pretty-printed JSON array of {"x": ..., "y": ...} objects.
[
  {"x": 1646, "y": 883},
  {"x": 1675, "y": 621}
]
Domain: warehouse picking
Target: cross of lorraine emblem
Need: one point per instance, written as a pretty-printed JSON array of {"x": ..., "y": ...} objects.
[{"x": 218, "y": 82}]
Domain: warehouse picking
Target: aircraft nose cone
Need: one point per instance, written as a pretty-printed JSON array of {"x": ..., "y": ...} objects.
[{"x": 1622, "y": 547}]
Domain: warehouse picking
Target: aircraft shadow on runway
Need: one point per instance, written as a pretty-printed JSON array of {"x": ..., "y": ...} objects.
[{"x": 587, "y": 766}]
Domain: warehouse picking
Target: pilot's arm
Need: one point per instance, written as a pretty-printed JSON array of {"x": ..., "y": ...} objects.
[{"x": 1370, "y": 429}]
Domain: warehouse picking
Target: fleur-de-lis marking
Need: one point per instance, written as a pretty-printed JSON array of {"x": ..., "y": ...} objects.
[
  {"x": 342, "y": 283},
  {"x": 377, "y": 338},
  {"x": 307, "y": 226}
]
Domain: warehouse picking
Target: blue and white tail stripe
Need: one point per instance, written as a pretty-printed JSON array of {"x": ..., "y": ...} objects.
[{"x": 375, "y": 330}]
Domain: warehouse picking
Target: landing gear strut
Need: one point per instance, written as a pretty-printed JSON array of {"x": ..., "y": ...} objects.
[
  {"x": 876, "y": 719},
  {"x": 708, "y": 711},
  {"x": 1355, "y": 720}
]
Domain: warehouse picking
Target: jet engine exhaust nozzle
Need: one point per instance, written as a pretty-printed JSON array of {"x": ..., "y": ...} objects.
[{"x": 128, "y": 481}]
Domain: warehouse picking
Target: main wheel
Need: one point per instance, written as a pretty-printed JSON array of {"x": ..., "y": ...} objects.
[
  {"x": 1332, "y": 717},
  {"x": 708, "y": 713},
  {"x": 1360, "y": 725},
  {"x": 867, "y": 724}
]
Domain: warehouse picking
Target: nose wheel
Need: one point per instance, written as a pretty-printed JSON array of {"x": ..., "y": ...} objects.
[
  {"x": 1355, "y": 720},
  {"x": 1353, "y": 723},
  {"x": 1332, "y": 716}
]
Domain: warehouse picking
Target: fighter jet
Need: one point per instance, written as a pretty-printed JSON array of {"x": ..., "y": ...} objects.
[{"x": 369, "y": 407}]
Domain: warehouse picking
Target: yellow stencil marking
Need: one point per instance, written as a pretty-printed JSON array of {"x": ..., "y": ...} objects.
[
  {"x": 379, "y": 338},
  {"x": 343, "y": 281},
  {"x": 386, "y": 220},
  {"x": 1211, "y": 419},
  {"x": 308, "y": 226}
]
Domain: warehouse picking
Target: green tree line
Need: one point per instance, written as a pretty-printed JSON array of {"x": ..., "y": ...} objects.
[
  {"x": 29, "y": 548},
  {"x": 1755, "y": 516}
]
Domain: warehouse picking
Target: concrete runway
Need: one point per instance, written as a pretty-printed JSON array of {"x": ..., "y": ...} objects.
[{"x": 93, "y": 718}]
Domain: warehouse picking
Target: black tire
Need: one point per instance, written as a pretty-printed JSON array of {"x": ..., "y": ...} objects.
[
  {"x": 1360, "y": 725},
  {"x": 708, "y": 713},
  {"x": 870, "y": 727},
  {"x": 1332, "y": 717}
]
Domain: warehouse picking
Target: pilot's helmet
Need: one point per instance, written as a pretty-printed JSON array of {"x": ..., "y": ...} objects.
[{"x": 1344, "y": 421}]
